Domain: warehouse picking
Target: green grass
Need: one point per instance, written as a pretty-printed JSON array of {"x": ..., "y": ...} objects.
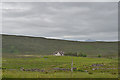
[
  {"x": 16, "y": 45},
  {"x": 21, "y": 74},
  {"x": 47, "y": 63},
  {"x": 35, "y": 52}
]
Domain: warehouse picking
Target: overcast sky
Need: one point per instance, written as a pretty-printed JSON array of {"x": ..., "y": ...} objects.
[{"x": 62, "y": 20}]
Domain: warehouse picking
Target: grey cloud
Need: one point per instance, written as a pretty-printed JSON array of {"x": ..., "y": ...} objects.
[{"x": 66, "y": 20}]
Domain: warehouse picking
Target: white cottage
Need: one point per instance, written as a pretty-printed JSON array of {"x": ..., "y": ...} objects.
[{"x": 59, "y": 53}]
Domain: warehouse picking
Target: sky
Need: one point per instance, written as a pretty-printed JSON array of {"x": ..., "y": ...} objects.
[{"x": 61, "y": 20}]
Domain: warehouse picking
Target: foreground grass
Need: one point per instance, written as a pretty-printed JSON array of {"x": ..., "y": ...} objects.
[
  {"x": 21, "y": 74},
  {"x": 53, "y": 61},
  {"x": 47, "y": 63}
]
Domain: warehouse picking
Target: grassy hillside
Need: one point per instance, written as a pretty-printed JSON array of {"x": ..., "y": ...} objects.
[{"x": 37, "y": 45}]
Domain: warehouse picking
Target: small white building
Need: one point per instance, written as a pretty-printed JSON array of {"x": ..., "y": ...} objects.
[{"x": 59, "y": 53}]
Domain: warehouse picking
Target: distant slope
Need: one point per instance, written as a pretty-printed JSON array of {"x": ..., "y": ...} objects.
[
  {"x": 90, "y": 40},
  {"x": 37, "y": 45}
]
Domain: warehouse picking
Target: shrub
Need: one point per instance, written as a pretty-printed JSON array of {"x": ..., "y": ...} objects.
[
  {"x": 3, "y": 68},
  {"x": 81, "y": 54},
  {"x": 71, "y": 54},
  {"x": 90, "y": 73},
  {"x": 114, "y": 73},
  {"x": 81, "y": 70},
  {"x": 84, "y": 55},
  {"x": 78, "y": 69},
  {"x": 45, "y": 57},
  {"x": 99, "y": 56}
]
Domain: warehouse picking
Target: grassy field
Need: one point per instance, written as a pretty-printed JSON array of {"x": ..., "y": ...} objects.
[
  {"x": 34, "y": 55},
  {"x": 106, "y": 68}
]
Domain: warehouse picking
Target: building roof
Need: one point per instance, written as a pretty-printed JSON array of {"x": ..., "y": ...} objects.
[{"x": 61, "y": 52}]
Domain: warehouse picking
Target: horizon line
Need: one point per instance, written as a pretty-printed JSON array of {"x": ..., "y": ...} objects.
[{"x": 87, "y": 40}]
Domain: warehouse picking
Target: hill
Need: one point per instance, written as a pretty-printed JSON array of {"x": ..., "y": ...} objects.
[{"x": 12, "y": 44}]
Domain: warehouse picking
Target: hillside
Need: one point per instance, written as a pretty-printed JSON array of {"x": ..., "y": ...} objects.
[{"x": 12, "y": 44}]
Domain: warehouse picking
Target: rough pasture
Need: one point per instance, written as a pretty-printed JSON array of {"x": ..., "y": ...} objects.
[{"x": 59, "y": 67}]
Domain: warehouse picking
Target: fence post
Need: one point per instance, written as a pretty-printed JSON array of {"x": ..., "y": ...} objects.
[{"x": 72, "y": 65}]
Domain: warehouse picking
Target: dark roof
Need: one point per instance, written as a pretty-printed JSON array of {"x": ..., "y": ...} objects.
[{"x": 61, "y": 52}]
